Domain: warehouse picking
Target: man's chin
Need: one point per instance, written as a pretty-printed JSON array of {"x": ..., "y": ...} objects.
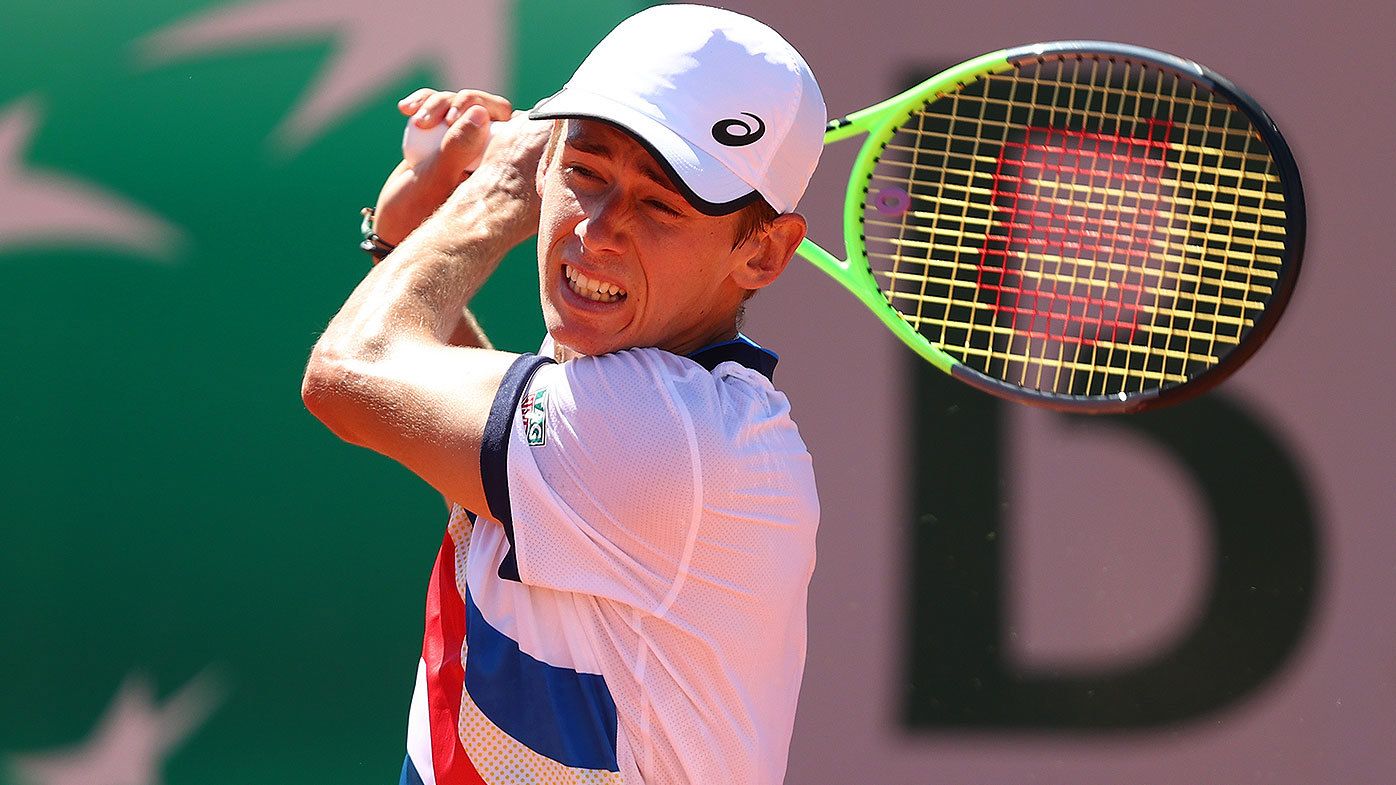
[{"x": 579, "y": 341}]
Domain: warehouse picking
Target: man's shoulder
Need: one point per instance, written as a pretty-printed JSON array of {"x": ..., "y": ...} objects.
[
  {"x": 722, "y": 405},
  {"x": 665, "y": 417},
  {"x": 663, "y": 371}
]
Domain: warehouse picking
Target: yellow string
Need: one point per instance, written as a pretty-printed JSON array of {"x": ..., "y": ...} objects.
[{"x": 1181, "y": 240}]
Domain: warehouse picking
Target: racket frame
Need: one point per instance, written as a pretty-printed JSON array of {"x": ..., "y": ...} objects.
[{"x": 880, "y": 122}]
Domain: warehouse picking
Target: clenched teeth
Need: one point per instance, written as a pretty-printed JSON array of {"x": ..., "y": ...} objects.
[{"x": 591, "y": 289}]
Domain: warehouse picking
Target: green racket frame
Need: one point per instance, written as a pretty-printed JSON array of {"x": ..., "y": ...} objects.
[{"x": 880, "y": 122}]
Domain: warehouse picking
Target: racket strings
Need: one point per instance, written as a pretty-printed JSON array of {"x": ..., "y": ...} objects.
[{"x": 1083, "y": 226}]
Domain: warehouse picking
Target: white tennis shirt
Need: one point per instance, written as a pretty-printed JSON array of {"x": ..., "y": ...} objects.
[{"x": 637, "y": 613}]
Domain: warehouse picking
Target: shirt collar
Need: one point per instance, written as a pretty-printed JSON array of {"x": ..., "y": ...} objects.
[{"x": 741, "y": 350}]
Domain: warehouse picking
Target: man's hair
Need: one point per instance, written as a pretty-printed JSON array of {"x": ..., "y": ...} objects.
[{"x": 752, "y": 219}]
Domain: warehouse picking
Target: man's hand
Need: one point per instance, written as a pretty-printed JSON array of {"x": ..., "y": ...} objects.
[
  {"x": 508, "y": 174},
  {"x": 412, "y": 193}
]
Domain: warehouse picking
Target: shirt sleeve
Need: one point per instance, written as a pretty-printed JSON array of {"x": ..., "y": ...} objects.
[{"x": 598, "y": 477}]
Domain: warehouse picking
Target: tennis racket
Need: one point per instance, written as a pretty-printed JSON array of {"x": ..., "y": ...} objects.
[{"x": 1081, "y": 225}]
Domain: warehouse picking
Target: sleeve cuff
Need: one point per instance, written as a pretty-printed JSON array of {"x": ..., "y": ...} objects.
[{"x": 494, "y": 451}]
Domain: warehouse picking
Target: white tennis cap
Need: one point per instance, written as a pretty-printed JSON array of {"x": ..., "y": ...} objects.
[{"x": 725, "y": 105}]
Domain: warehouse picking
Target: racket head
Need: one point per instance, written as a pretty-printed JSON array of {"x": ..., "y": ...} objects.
[{"x": 1081, "y": 225}]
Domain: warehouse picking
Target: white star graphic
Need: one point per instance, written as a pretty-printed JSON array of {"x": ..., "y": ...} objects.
[
  {"x": 468, "y": 42},
  {"x": 131, "y": 741},
  {"x": 51, "y": 209}
]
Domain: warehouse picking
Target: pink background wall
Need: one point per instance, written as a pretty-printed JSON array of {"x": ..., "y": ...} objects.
[{"x": 1108, "y": 552}]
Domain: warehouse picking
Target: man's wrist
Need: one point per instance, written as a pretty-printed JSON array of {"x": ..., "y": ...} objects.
[
  {"x": 498, "y": 200},
  {"x": 372, "y": 244}
]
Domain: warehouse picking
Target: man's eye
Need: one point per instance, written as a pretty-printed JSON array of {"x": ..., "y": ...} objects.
[
  {"x": 582, "y": 172},
  {"x": 663, "y": 207}
]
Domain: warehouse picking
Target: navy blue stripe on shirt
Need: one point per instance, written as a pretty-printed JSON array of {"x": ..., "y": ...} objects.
[
  {"x": 740, "y": 349},
  {"x": 494, "y": 451},
  {"x": 558, "y": 712},
  {"x": 409, "y": 773}
]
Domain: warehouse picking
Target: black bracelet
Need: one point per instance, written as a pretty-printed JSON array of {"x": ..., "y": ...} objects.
[{"x": 372, "y": 244}]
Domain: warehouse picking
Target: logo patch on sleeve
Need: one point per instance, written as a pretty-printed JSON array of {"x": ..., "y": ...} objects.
[{"x": 534, "y": 411}]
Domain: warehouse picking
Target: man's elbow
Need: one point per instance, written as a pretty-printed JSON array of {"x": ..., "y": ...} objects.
[{"x": 328, "y": 391}]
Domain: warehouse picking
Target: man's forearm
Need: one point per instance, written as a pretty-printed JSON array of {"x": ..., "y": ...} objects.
[
  {"x": 468, "y": 332},
  {"x": 420, "y": 290}
]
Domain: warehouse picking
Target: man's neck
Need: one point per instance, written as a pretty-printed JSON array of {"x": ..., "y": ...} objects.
[{"x": 563, "y": 353}]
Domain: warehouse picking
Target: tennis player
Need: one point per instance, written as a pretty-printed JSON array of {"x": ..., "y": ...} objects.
[{"x": 620, "y": 594}]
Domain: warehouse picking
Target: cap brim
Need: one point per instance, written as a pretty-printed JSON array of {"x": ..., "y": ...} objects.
[{"x": 705, "y": 182}]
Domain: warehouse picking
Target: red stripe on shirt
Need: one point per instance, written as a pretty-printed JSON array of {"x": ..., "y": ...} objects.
[{"x": 441, "y": 646}]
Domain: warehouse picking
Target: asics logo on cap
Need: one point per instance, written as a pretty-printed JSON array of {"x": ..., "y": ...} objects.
[{"x": 734, "y": 132}]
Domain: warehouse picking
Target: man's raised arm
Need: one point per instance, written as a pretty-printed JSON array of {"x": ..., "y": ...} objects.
[{"x": 383, "y": 374}]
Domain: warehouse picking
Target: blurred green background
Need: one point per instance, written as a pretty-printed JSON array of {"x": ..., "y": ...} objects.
[
  {"x": 171, "y": 519},
  {"x": 168, "y": 507}
]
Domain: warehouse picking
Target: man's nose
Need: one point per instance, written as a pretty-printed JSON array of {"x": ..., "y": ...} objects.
[{"x": 603, "y": 228}]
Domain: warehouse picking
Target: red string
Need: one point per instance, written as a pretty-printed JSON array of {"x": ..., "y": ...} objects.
[{"x": 1069, "y": 226}]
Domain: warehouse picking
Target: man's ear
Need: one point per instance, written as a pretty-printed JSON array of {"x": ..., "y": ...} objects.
[{"x": 768, "y": 251}]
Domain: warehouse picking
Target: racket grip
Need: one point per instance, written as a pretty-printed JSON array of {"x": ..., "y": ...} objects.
[{"x": 419, "y": 144}]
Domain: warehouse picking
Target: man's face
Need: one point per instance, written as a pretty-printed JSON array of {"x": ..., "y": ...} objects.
[{"x": 624, "y": 260}]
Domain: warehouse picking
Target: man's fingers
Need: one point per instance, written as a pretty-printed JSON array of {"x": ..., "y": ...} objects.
[
  {"x": 433, "y": 110},
  {"x": 428, "y": 107},
  {"x": 467, "y": 139},
  {"x": 498, "y": 107},
  {"x": 413, "y": 102}
]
